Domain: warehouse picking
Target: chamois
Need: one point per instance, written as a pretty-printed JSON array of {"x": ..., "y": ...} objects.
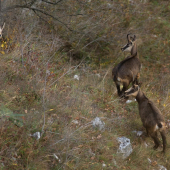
[
  {"x": 127, "y": 71},
  {"x": 151, "y": 116},
  {"x": 1, "y": 29}
]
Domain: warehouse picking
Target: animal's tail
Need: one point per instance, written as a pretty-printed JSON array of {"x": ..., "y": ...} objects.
[{"x": 160, "y": 125}]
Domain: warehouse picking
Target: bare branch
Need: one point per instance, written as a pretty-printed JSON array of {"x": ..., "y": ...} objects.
[
  {"x": 52, "y": 3},
  {"x": 47, "y": 14},
  {"x": 36, "y": 10}
]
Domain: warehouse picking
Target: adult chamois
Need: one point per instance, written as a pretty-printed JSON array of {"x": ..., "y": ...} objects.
[
  {"x": 127, "y": 71},
  {"x": 151, "y": 116}
]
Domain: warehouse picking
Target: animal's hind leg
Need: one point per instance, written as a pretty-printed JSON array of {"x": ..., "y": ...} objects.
[
  {"x": 156, "y": 140},
  {"x": 118, "y": 89},
  {"x": 136, "y": 81},
  {"x": 125, "y": 87},
  {"x": 164, "y": 140}
]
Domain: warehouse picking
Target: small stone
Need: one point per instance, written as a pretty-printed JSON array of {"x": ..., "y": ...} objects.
[
  {"x": 162, "y": 167},
  {"x": 75, "y": 122},
  {"x": 76, "y": 77},
  {"x": 98, "y": 123},
  {"x": 36, "y": 135}
]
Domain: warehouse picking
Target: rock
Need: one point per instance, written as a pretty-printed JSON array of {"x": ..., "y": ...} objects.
[
  {"x": 125, "y": 147},
  {"x": 138, "y": 133},
  {"x": 36, "y": 135},
  {"x": 75, "y": 122},
  {"x": 155, "y": 163},
  {"x": 98, "y": 123},
  {"x": 130, "y": 101},
  {"x": 162, "y": 167},
  {"x": 76, "y": 77}
]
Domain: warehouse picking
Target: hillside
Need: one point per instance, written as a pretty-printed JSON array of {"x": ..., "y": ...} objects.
[{"x": 56, "y": 60}]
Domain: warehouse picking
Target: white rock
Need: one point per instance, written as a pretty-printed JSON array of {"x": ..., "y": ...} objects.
[
  {"x": 138, "y": 133},
  {"x": 98, "y": 123},
  {"x": 154, "y": 35},
  {"x": 103, "y": 165},
  {"x": 125, "y": 147},
  {"x": 48, "y": 72},
  {"x": 162, "y": 167},
  {"x": 36, "y": 135},
  {"x": 75, "y": 122},
  {"x": 130, "y": 101},
  {"x": 98, "y": 75},
  {"x": 76, "y": 77}
]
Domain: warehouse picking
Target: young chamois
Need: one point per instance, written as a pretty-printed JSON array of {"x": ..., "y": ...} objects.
[
  {"x": 127, "y": 71},
  {"x": 151, "y": 116}
]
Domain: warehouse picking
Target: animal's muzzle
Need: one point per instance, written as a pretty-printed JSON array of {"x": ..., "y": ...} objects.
[{"x": 124, "y": 48}]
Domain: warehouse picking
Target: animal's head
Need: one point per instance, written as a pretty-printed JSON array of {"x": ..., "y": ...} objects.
[
  {"x": 133, "y": 91},
  {"x": 1, "y": 29},
  {"x": 131, "y": 41}
]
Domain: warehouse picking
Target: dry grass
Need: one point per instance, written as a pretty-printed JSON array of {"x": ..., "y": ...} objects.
[
  {"x": 39, "y": 93},
  {"x": 78, "y": 146}
]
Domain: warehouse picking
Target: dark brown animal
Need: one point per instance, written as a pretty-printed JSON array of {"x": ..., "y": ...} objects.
[
  {"x": 128, "y": 70},
  {"x": 151, "y": 116}
]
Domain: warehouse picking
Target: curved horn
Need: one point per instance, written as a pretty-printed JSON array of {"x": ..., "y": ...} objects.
[
  {"x": 128, "y": 37},
  {"x": 134, "y": 38},
  {"x": 3, "y": 26}
]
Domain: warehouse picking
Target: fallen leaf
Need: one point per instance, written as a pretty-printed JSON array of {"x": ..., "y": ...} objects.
[
  {"x": 99, "y": 136},
  {"x": 154, "y": 163},
  {"x": 92, "y": 158}
]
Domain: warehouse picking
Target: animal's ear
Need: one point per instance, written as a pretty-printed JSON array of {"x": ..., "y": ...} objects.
[
  {"x": 134, "y": 38},
  {"x": 136, "y": 87},
  {"x": 140, "y": 84}
]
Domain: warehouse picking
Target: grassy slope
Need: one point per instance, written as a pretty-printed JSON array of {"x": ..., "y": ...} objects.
[{"x": 80, "y": 146}]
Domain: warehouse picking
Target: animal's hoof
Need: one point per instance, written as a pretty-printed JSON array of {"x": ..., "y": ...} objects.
[
  {"x": 155, "y": 147},
  {"x": 122, "y": 95},
  {"x": 163, "y": 152}
]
